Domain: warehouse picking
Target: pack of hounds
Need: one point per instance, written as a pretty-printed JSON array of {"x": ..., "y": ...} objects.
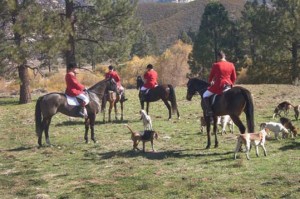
[{"x": 284, "y": 127}]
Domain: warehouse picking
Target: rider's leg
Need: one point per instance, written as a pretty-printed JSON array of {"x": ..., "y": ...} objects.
[
  {"x": 143, "y": 91},
  {"x": 207, "y": 106},
  {"x": 85, "y": 100}
]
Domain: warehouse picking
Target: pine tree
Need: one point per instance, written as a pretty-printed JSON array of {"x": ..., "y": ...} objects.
[
  {"x": 287, "y": 13},
  {"x": 22, "y": 27},
  {"x": 104, "y": 28},
  {"x": 214, "y": 35}
]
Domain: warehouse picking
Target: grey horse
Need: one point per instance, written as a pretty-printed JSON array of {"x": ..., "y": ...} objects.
[{"x": 50, "y": 104}]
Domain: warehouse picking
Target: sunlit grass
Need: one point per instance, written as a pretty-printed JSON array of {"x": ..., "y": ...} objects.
[{"x": 181, "y": 167}]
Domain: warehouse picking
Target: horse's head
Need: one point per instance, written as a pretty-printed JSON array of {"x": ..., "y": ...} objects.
[
  {"x": 101, "y": 87},
  {"x": 112, "y": 85},
  {"x": 195, "y": 85},
  {"x": 139, "y": 82}
]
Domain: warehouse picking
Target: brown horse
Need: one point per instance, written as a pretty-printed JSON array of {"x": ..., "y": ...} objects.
[
  {"x": 112, "y": 98},
  {"x": 232, "y": 102},
  {"x": 164, "y": 92},
  {"x": 50, "y": 104}
]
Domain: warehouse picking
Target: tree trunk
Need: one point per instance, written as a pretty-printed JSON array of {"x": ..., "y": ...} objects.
[
  {"x": 25, "y": 96},
  {"x": 70, "y": 52}
]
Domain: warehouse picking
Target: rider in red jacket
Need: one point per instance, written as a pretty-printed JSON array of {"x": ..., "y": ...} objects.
[
  {"x": 112, "y": 73},
  {"x": 222, "y": 75},
  {"x": 75, "y": 89},
  {"x": 150, "y": 78}
]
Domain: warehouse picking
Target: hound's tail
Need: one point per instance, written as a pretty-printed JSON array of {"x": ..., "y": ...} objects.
[{"x": 129, "y": 128}]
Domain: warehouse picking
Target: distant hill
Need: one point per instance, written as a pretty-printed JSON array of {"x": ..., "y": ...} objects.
[{"x": 168, "y": 20}]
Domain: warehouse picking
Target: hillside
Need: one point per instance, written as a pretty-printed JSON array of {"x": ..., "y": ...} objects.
[{"x": 167, "y": 20}]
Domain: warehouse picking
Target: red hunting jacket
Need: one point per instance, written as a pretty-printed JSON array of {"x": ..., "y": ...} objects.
[
  {"x": 115, "y": 76},
  {"x": 74, "y": 88},
  {"x": 222, "y": 73},
  {"x": 151, "y": 79}
]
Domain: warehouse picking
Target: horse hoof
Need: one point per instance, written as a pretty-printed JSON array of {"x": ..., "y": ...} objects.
[
  {"x": 216, "y": 146},
  {"x": 207, "y": 147}
]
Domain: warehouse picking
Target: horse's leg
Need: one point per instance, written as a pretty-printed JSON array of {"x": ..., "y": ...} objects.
[
  {"x": 104, "y": 115},
  {"x": 40, "y": 135},
  {"x": 178, "y": 116},
  {"x": 109, "y": 110},
  {"x": 147, "y": 109},
  {"x": 237, "y": 121},
  {"x": 86, "y": 123},
  {"x": 47, "y": 124},
  {"x": 169, "y": 108},
  {"x": 103, "y": 107},
  {"x": 121, "y": 110},
  {"x": 116, "y": 111},
  {"x": 215, "y": 128},
  {"x": 207, "y": 120},
  {"x": 92, "y": 124},
  {"x": 142, "y": 104}
]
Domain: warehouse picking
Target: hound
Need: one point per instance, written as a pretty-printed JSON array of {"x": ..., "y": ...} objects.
[
  {"x": 147, "y": 122},
  {"x": 283, "y": 106},
  {"x": 254, "y": 138}
]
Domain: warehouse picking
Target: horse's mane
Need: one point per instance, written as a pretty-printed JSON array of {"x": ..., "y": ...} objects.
[
  {"x": 95, "y": 86},
  {"x": 199, "y": 81}
]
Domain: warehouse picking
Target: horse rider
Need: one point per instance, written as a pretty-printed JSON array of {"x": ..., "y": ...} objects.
[
  {"x": 150, "y": 78},
  {"x": 112, "y": 73},
  {"x": 222, "y": 75},
  {"x": 75, "y": 89}
]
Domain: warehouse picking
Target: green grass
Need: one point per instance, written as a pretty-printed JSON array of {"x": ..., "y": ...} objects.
[{"x": 181, "y": 167}]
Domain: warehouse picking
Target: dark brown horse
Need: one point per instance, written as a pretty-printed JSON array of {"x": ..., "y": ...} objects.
[
  {"x": 164, "y": 92},
  {"x": 113, "y": 99},
  {"x": 232, "y": 102},
  {"x": 50, "y": 104}
]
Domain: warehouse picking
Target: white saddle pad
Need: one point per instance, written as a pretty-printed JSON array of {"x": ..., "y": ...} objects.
[{"x": 72, "y": 101}]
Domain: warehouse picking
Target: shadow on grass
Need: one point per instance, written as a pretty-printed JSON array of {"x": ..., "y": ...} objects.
[
  {"x": 292, "y": 146},
  {"x": 22, "y": 148},
  {"x": 154, "y": 155},
  {"x": 77, "y": 122}
]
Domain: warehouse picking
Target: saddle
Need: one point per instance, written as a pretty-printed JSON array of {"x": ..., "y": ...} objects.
[
  {"x": 74, "y": 101},
  {"x": 212, "y": 98}
]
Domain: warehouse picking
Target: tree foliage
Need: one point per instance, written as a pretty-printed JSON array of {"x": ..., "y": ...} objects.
[
  {"x": 215, "y": 33},
  {"x": 34, "y": 33}
]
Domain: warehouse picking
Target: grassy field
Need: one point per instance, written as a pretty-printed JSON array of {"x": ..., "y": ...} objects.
[{"x": 181, "y": 167}]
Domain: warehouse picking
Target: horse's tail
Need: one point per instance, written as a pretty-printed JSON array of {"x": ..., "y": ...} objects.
[
  {"x": 172, "y": 98},
  {"x": 38, "y": 117},
  {"x": 249, "y": 110}
]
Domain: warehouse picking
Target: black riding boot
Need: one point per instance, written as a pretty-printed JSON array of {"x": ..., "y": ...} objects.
[
  {"x": 81, "y": 110},
  {"x": 208, "y": 111}
]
